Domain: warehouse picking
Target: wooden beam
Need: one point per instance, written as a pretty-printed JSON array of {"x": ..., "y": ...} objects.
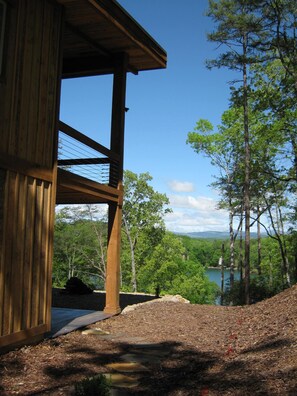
[
  {"x": 118, "y": 111},
  {"x": 120, "y": 18},
  {"x": 87, "y": 66},
  {"x": 74, "y": 197},
  {"x": 72, "y": 182},
  {"x": 83, "y": 161},
  {"x": 27, "y": 168},
  {"x": 23, "y": 335},
  {"x": 87, "y": 141}
]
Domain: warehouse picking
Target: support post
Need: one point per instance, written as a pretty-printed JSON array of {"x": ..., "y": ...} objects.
[
  {"x": 112, "y": 302},
  {"x": 112, "y": 305}
]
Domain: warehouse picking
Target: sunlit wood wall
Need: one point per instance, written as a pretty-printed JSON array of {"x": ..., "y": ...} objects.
[{"x": 29, "y": 92}]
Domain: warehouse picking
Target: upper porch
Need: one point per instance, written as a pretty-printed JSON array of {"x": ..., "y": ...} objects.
[
  {"x": 100, "y": 38},
  {"x": 87, "y": 171}
]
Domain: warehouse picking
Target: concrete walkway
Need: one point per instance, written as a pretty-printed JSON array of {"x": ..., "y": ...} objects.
[{"x": 65, "y": 320}]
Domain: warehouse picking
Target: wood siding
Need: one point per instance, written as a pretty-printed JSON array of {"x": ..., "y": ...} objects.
[{"x": 29, "y": 92}]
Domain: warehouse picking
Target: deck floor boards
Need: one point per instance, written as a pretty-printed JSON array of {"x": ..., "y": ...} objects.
[{"x": 65, "y": 320}]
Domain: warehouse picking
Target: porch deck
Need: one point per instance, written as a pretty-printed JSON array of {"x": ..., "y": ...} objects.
[{"x": 65, "y": 320}]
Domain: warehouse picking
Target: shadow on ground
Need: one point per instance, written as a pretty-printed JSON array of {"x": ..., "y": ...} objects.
[{"x": 175, "y": 371}]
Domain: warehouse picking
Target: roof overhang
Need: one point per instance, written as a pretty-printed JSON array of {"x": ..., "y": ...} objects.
[{"x": 96, "y": 31}]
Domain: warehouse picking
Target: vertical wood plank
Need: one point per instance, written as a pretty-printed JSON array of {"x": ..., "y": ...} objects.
[
  {"x": 7, "y": 84},
  {"x": 28, "y": 254},
  {"x": 12, "y": 192},
  {"x": 3, "y": 200},
  {"x": 17, "y": 259},
  {"x": 44, "y": 82},
  {"x": 35, "y": 40},
  {"x": 15, "y": 76},
  {"x": 36, "y": 255},
  {"x": 43, "y": 253}
]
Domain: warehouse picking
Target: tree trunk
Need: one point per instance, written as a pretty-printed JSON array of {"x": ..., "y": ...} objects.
[
  {"x": 279, "y": 236},
  {"x": 259, "y": 241},
  {"x": 133, "y": 268},
  {"x": 284, "y": 251},
  {"x": 232, "y": 247},
  {"x": 241, "y": 254},
  {"x": 222, "y": 262},
  {"x": 132, "y": 251},
  {"x": 295, "y": 267},
  {"x": 270, "y": 271},
  {"x": 247, "y": 160}
]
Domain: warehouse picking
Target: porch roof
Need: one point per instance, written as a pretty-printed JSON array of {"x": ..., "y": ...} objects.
[{"x": 96, "y": 31}]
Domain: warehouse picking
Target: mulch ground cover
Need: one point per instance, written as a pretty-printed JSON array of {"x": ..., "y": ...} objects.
[{"x": 210, "y": 350}]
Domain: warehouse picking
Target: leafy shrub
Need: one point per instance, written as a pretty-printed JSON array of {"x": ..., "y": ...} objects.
[
  {"x": 260, "y": 289},
  {"x": 94, "y": 386}
]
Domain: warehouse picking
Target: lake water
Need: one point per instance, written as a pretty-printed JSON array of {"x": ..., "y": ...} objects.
[{"x": 214, "y": 275}]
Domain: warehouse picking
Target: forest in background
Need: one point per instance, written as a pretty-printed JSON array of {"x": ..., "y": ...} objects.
[
  {"x": 153, "y": 258},
  {"x": 255, "y": 151}
]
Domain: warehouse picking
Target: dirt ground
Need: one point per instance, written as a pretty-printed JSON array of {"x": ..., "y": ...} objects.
[{"x": 213, "y": 350}]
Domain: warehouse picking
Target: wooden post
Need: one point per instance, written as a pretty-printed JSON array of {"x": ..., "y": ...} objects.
[{"x": 112, "y": 305}]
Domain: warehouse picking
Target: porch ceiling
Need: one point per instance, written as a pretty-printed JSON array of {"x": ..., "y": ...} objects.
[{"x": 96, "y": 31}]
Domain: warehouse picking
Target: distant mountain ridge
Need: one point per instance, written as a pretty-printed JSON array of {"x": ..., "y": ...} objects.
[{"x": 211, "y": 234}]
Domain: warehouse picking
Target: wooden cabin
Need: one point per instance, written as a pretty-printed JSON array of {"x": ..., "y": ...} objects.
[{"x": 42, "y": 42}]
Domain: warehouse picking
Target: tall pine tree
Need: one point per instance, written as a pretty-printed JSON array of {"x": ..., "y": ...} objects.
[{"x": 239, "y": 30}]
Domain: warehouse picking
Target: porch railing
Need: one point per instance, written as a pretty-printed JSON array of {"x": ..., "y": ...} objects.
[{"x": 83, "y": 156}]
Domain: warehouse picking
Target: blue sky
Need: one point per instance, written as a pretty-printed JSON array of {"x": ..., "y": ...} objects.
[{"x": 164, "y": 106}]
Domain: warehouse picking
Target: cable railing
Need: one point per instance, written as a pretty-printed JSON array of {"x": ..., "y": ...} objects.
[{"x": 83, "y": 156}]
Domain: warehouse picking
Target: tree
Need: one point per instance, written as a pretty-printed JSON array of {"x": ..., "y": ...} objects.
[
  {"x": 240, "y": 30},
  {"x": 168, "y": 270},
  {"x": 80, "y": 245},
  {"x": 280, "y": 17},
  {"x": 224, "y": 148},
  {"x": 143, "y": 212}
]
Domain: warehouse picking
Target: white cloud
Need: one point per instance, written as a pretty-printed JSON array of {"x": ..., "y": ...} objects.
[
  {"x": 198, "y": 203},
  {"x": 193, "y": 214},
  {"x": 180, "y": 186}
]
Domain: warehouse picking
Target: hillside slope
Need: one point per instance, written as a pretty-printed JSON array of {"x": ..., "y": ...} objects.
[{"x": 198, "y": 350}]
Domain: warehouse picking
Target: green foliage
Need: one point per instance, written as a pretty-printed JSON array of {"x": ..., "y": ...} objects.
[
  {"x": 255, "y": 147},
  {"x": 194, "y": 285},
  {"x": 260, "y": 289},
  {"x": 239, "y": 29},
  {"x": 143, "y": 207},
  {"x": 94, "y": 386},
  {"x": 80, "y": 240},
  {"x": 205, "y": 251},
  {"x": 169, "y": 269},
  {"x": 143, "y": 221}
]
